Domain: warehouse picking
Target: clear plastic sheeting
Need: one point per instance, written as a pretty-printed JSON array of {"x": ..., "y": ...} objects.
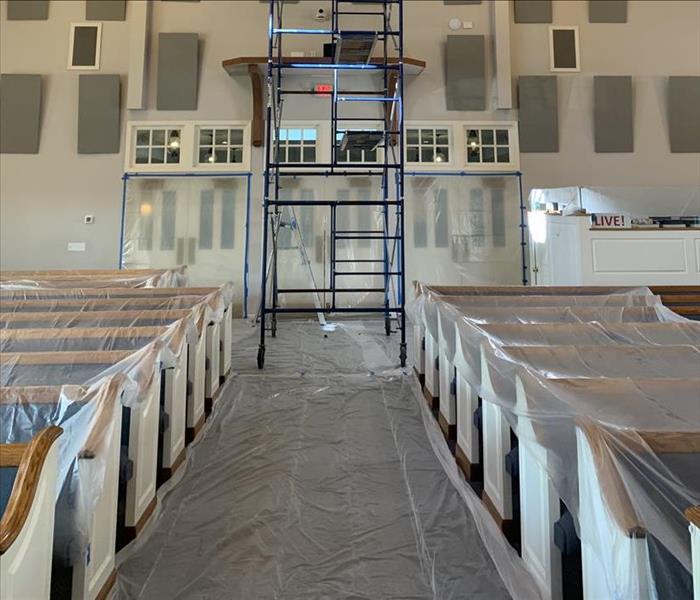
[
  {"x": 664, "y": 201},
  {"x": 137, "y": 278},
  {"x": 607, "y": 410},
  {"x": 316, "y": 479},
  {"x": 82, "y": 393},
  {"x": 200, "y": 221}
]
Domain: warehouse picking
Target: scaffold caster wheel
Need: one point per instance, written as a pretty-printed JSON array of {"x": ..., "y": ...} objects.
[
  {"x": 387, "y": 325},
  {"x": 261, "y": 357},
  {"x": 402, "y": 355}
]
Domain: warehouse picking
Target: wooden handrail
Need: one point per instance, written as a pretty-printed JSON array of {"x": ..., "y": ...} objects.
[
  {"x": 30, "y": 463},
  {"x": 692, "y": 513}
]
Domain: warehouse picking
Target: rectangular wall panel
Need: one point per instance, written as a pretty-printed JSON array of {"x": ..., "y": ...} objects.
[
  {"x": 178, "y": 71},
  {"x": 455, "y": 2},
  {"x": 501, "y": 37},
  {"x": 27, "y": 10},
  {"x": 538, "y": 114},
  {"x": 607, "y": 11},
  {"x": 98, "y": 114},
  {"x": 613, "y": 114},
  {"x": 20, "y": 113},
  {"x": 465, "y": 85},
  {"x": 139, "y": 20},
  {"x": 684, "y": 113},
  {"x": 105, "y": 10},
  {"x": 532, "y": 11}
]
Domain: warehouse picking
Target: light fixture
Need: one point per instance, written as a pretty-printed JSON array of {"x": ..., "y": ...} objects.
[
  {"x": 174, "y": 140},
  {"x": 473, "y": 145},
  {"x": 146, "y": 209},
  {"x": 439, "y": 157},
  {"x": 211, "y": 158}
]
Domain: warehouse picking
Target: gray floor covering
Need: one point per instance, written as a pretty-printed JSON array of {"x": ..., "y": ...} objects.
[{"x": 315, "y": 479}]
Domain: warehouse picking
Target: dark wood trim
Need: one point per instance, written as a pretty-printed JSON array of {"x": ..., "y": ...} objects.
[
  {"x": 191, "y": 433},
  {"x": 507, "y": 526},
  {"x": 692, "y": 513},
  {"x": 107, "y": 586},
  {"x": 448, "y": 430},
  {"x": 472, "y": 471},
  {"x": 209, "y": 402},
  {"x": 132, "y": 532},
  {"x": 31, "y": 463},
  {"x": 420, "y": 377},
  {"x": 166, "y": 473},
  {"x": 256, "y": 133},
  {"x": 433, "y": 401}
]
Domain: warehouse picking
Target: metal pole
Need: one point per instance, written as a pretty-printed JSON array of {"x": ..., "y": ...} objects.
[{"x": 125, "y": 179}]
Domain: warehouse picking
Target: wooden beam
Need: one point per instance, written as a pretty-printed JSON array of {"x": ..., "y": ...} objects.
[{"x": 258, "y": 119}]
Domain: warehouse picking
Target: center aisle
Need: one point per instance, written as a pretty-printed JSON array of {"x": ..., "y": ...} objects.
[{"x": 315, "y": 479}]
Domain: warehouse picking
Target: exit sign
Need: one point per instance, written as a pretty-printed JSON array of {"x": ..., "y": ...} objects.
[{"x": 323, "y": 89}]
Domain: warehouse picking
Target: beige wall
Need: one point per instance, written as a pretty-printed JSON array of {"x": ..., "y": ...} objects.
[{"x": 44, "y": 197}]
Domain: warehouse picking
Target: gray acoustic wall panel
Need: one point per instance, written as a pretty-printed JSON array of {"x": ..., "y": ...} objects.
[
  {"x": 684, "y": 113},
  {"x": 178, "y": 71},
  {"x": 105, "y": 10},
  {"x": 607, "y": 11},
  {"x": 465, "y": 72},
  {"x": 613, "y": 114},
  {"x": 27, "y": 10},
  {"x": 20, "y": 113},
  {"x": 532, "y": 11},
  {"x": 98, "y": 114},
  {"x": 538, "y": 113}
]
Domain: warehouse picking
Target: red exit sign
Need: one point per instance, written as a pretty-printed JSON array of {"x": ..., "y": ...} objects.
[{"x": 323, "y": 89}]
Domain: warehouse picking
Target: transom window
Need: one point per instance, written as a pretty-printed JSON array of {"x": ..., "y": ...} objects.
[
  {"x": 354, "y": 155},
  {"x": 220, "y": 145},
  {"x": 427, "y": 145},
  {"x": 297, "y": 144},
  {"x": 157, "y": 146},
  {"x": 488, "y": 146}
]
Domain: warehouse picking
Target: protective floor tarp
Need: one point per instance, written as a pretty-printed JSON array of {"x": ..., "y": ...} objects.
[{"x": 316, "y": 478}]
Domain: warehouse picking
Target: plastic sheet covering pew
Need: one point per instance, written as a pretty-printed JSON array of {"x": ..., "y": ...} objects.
[
  {"x": 436, "y": 291},
  {"x": 428, "y": 311},
  {"x": 140, "y": 418},
  {"x": 225, "y": 290},
  {"x": 634, "y": 538},
  {"x": 89, "y": 470},
  {"x": 196, "y": 343},
  {"x": 214, "y": 315},
  {"x": 499, "y": 367},
  {"x": 176, "y": 277},
  {"x": 547, "y": 411},
  {"x": 463, "y": 332},
  {"x": 173, "y": 396},
  {"x": 28, "y": 475}
]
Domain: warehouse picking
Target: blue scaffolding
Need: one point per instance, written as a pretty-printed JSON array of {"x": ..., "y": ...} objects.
[{"x": 348, "y": 50}]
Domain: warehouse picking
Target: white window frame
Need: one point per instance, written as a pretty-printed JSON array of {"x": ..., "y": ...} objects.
[
  {"x": 304, "y": 125},
  {"x": 222, "y": 167},
  {"x": 189, "y": 147},
  {"x": 98, "y": 47},
  {"x": 431, "y": 166},
  {"x": 513, "y": 144},
  {"x": 554, "y": 69}
]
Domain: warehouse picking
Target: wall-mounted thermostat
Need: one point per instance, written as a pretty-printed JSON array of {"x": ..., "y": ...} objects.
[{"x": 89, "y": 219}]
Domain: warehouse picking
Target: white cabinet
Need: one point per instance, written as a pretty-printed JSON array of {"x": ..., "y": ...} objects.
[{"x": 566, "y": 251}]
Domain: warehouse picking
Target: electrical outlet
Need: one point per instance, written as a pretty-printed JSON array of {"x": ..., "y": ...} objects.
[
  {"x": 76, "y": 246},
  {"x": 89, "y": 219}
]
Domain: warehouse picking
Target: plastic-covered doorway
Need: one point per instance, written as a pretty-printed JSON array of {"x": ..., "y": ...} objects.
[{"x": 318, "y": 478}]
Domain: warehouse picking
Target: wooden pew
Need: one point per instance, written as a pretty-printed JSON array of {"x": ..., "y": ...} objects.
[
  {"x": 213, "y": 345},
  {"x": 27, "y": 519},
  {"x": 162, "y": 292},
  {"x": 140, "y": 423},
  {"x": 96, "y": 278},
  {"x": 606, "y": 508},
  {"x": 176, "y": 424},
  {"x": 681, "y": 299},
  {"x": 501, "y": 365},
  {"x": 196, "y": 352}
]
